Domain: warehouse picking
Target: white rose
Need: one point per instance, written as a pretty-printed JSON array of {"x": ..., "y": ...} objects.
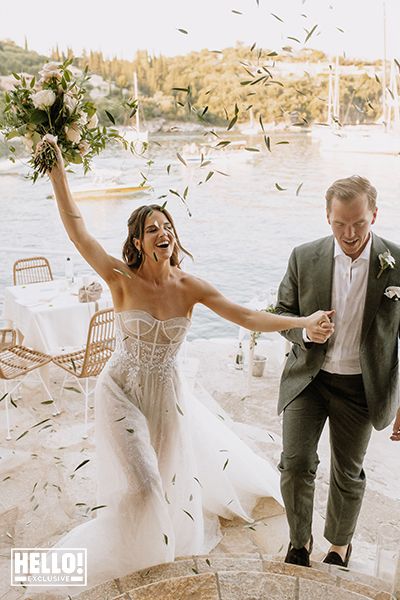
[
  {"x": 73, "y": 134},
  {"x": 82, "y": 119},
  {"x": 70, "y": 102},
  {"x": 50, "y": 70},
  {"x": 84, "y": 147},
  {"x": 93, "y": 121},
  {"x": 43, "y": 99}
]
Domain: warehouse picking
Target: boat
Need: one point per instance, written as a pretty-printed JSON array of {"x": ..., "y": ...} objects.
[
  {"x": 108, "y": 193},
  {"x": 382, "y": 137},
  {"x": 252, "y": 128},
  {"x": 134, "y": 133}
]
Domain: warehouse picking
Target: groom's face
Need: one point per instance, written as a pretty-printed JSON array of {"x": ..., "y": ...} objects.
[{"x": 351, "y": 223}]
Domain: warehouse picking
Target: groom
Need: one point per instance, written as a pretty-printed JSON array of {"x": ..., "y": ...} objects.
[{"x": 350, "y": 379}]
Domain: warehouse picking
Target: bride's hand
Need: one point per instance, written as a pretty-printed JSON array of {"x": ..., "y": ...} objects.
[
  {"x": 58, "y": 168},
  {"x": 319, "y": 327}
]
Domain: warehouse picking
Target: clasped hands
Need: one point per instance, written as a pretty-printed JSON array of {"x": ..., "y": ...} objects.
[{"x": 321, "y": 330}]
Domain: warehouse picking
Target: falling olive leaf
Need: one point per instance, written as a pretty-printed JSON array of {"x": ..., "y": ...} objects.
[
  {"x": 110, "y": 116},
  {"x": 253, "y": 46},
  {"x": 168, "y": 168},
  {"x": 83, "y": 463},
  {"x": 226, "y": 464},
  {"x": 173, "y": 480},
  {"x": 198, "y": 481},
  {"x": 166, "y": 498},
  {"x": 179, "y": 89},
  {"x": 222, "y": 144},
  {"x": 155, "y": 257},
  {"x": 267, "y": 141},
  {"x": 210, "y": 174},
  {"x": 232, "y": 123},
  {"x": 282, "y": 142},
  {"x": 252, "y": 149},
  {"x": 130, "y": 430},
  {"x": 97, "y": 507},
  {"x": 309, "y": 33},
  {"x": 299, "y": 188},
  {"x": 165, "y": 539},
  {"x": 178, "y": 408},
  {"x": 237, "y": 12},
  {"x": 120, "y": 419},
  {"x": 183, "y": 31},
  {"x": 208, "y": 562},
  {"x": 73, "y": 389},
  {"x": 279, "y": 188},
  {"x": 278, "y": 18},
  {"x": 294, "y": 39},
  {"x": 21, "y": 436},
  {"x": 181, "y": 159},
  {"x": 390, "y": 92},
  {"x": 340, "y": 29},
  {"x": 188, "y": 514}
]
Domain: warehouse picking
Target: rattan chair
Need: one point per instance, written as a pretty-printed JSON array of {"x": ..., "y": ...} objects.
[
  {"x": 90, "y": 360},
  {"x": 31, "y": 270},
  {"x": 8, "y": 337},
  {"x": 16, "y": 362}
]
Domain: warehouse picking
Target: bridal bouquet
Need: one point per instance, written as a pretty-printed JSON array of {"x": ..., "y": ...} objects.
[{"x": 57, "y": 104}]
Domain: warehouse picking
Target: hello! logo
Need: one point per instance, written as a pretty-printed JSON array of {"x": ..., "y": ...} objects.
[{"x": 49, "y": 566}]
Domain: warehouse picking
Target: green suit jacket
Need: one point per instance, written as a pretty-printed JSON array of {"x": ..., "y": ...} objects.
[{"x": 307, "y": 287}]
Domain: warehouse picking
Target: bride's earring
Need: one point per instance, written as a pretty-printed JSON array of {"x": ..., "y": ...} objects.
[{"x": 139, "y": 254}]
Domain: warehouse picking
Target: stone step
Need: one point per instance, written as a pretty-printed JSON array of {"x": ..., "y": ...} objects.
[
  {"x": 239, "y": 585},
  {"x": 188, "y": 572}
]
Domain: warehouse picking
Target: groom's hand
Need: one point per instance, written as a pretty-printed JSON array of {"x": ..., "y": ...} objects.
[
  {"x": 396, "y": 428},
  {"x": 319, "y": 332}
]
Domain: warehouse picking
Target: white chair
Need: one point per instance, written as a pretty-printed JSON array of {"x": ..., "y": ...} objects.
[{"x": 90, "y": 361}]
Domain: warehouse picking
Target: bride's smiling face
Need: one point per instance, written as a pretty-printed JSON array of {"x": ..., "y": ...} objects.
[{"x": 158, "y": 237}]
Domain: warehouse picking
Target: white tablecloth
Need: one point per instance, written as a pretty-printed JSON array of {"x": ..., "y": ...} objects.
[{"x": 49, "y": 315}]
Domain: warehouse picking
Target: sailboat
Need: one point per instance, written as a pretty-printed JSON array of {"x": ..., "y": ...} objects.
[
  {"x": 135, "y": 133},
  {"x": 252, "y": 128},
  {"x": 382, "y": 137}
]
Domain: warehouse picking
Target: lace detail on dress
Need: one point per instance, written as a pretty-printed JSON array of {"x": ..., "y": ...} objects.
[{"x": 145, "y": 347}]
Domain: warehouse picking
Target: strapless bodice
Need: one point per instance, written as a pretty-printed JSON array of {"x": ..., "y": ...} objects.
[{"x": 145, "y": 344}]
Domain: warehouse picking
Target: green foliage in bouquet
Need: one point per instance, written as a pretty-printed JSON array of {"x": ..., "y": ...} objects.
[{"x": 58, "y": 104}]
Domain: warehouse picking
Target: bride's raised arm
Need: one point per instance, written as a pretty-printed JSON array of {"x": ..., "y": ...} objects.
[{"x": 86, "y": 244}]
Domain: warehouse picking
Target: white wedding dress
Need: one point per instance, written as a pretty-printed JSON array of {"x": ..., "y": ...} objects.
[{"x": 166, "y": 465}]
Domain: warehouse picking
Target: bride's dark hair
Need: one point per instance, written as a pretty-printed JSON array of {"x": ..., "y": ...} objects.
[{"x": 136, "y": 222}]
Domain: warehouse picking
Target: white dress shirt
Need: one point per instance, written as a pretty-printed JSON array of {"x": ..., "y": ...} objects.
[{"x": 349, "y": 288}]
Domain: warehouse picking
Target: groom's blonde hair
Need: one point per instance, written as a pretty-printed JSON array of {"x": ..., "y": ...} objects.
[{"x": 349, "y": 188}]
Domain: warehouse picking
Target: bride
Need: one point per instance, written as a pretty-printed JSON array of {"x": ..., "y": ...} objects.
[{"x": 166, "y": 466}]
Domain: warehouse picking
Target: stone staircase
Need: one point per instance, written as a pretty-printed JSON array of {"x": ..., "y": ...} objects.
[{"x": 240, "y": 577}]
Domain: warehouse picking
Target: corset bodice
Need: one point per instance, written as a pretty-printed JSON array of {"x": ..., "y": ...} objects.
[{"x": 145, "y": 344}]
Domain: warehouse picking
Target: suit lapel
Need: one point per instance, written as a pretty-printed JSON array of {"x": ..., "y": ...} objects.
[
  {"x": 375, "y": 287},
  {"x": 323, "y": 271}
]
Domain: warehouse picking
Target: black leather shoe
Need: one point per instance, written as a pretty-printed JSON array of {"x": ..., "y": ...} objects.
[
  {"x": 299, "y": 556},
  {"x": 333, "y": 558}
]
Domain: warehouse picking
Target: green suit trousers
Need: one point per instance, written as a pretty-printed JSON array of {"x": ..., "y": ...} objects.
[{"x": 341, "y": 400}]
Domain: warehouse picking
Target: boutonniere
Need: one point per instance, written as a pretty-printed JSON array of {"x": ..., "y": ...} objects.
[
  {"x": 386, "y": 261},
  {"x": 393, "y": 292}
]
